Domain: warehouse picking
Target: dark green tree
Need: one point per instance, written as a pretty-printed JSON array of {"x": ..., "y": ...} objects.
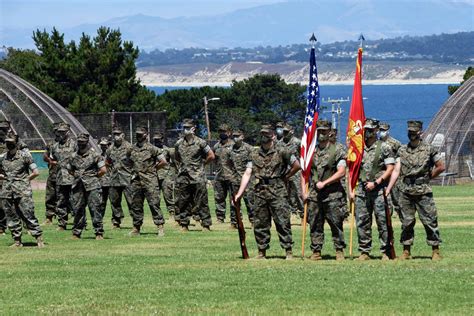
[{"x": 468, "y": 74}]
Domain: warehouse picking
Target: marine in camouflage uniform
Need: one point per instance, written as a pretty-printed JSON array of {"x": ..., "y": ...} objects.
[
  {"x": 104, "y": 144},
  {"x": 17, "y": 170},
  {"x": 269, "y": 164},
  {"x": 333, "y": 140},
  {"x": 238, "y": 159},
  {"x": 4, "y": 127},
  {"x": 417, "y": 160},
  {"x": 223, "y": 178},
  {"x": 51, "y": 198},
  {"x": 119, "y": 166},
  {"x": 146, "y": 159},
  {"x": 86, "y": 166},
  {"x": 294, "y": 188},
  {"x": 326, "y": 196},
  {"x": 394, "y": 145},
  {"x": 192, "y": 153},
  {"x": 61, "y": 152},
  {"x": 167, "y": 174},
  {"x": 376, "y": 167}
]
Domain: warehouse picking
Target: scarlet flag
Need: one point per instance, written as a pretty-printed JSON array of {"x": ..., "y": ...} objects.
[{"x": 355, "y": 128}]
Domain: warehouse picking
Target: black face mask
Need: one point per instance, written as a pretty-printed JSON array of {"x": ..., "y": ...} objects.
[
  {"x": 413, "y": 136},
  {"x": 158, "y": 144},
  {"x": 223, "y": 136},
  {"x": 323, "y": 138},
  {"x": 369, "y": 134},
  {"x": 11, "y": 146},
  {"x": 82, "y": 146},
  {"x": 265, "y": 139},
  {"x": 140, "y": 137}
]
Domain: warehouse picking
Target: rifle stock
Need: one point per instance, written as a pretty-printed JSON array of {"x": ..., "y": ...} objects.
[
  {"x": 388, "y": 214},
  {"x": 241, "y": 229}
]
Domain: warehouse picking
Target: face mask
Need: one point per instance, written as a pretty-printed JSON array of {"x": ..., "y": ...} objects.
[
  {"x": 413, "y": 136},
  {"x": 158, "y": 143},
  {"x": 238, "y": 140},
  {"x": 3, "y": 133},
  {"x": 82, "y": 146},
  {"x": 103, "y": 148},
  {"x": 11, "y": 146},
  {"x": 189, "y": 131},
  {"x": 265, "y": 139},
  {"x": 140, "y": 137},
  {"x": 118, "y": 139},
  {"x": 384, "y": 134},
  {"x": 369, "y": 134},
  {"x": 279, "y": 132},
  {"x": 223, "y": 136},
  {"x": 323, "y": 138}
]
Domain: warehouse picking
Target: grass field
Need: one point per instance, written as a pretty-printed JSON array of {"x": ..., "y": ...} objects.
[{"x": 202, "y": 273}]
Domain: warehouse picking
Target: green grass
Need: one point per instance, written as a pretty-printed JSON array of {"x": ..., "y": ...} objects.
[{"x": 202, "y": 273}]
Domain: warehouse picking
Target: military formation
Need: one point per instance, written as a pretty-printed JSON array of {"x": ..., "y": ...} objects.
[{"x": 265, "y": 177}]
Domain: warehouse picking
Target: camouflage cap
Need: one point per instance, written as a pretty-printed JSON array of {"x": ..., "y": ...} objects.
[
  {"x": 224, "y": 128},
  {"x": 63, "y": 127},
  {"x": 323, "y": 124},
  {"x": 56, "y": 126},
  {"x": 279, "y": 124},
  {"x": 103, "y": 141},
  {"x": 11, "y": 138},
  {"x": 415, "y": 126},
  {"x": 83, "y": 137},
  {"x": 116, "y": 130},
  {"x": 371, "y": 123},
  {"x": 384, "y": 126},
  {"x": 141, "y": 130},
  {"x": 188, "y": 123},
  {"x": 4, "y": 123},
  {"x": 267, "y": 128},
  {"x": 237, "y": 132},
  {"x": 158, "y": 135},
  {"x": 287, "y": 127}
]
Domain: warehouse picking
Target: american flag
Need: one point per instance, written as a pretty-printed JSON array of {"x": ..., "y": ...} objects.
[{"x": 308, "y": 141}]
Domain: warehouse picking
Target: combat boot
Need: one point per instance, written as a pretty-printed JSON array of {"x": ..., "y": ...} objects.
[
  {"x": 48, "y": 221},
  {"x": 161, "y": 231},
  {"x": 436, "y": 256},
  {"x": 134, "y": 232},
  {"x": 340, "y": 255},
  {"x": 289, "y": 254},
  {"x": 116, "y": 226},
  {"x": 76, "y": 237},
  {"x": 261, "y": 255},
  {"x": 363, "y": 257},
  {"x": 406, "y": 255},
  {"x": 233, "y": 226},
  {"x": 2, "y": 232},
  {"x": 17, "y": 244},
  {"x": 61, "y": 228},
  {"x": 206, "y": 229},
  {"x": 184, "y": 228},
  {"x": 99, "y": 237},
  {"x": 40, "y": 242},
  {"x": 220, "y": 221},
  {"x": 316, "y": 256},
  {"x": 385, "y": 257}
]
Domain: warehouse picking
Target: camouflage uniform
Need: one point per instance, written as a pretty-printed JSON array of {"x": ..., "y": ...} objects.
[
  {"x": 51, "y": 198},
  {"x": 120, "y": 166},
  {"x": 191, "y": 190},
  {"x": 144, "y": 184},
  {"x": 222, "y": 180},
  {"x": 374, "y": 161},
  {"x": 238, "y": 158},
  {"x": 86, "y": 189},
  {"x": 271, "y": 195},
  {"x": 328, "y": 203},
  {"x": 3, "y": 149},
  {"x": 105, "y": 179},
  {"x": 16, "y": 194},
  {"x": 415, "y": 190},
  {"x": 167, "y": 174},
  {"x": 395, "y": 192},
  {"x": 61, "y": 152}
]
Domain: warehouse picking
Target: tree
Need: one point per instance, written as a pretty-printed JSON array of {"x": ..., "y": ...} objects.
[{"x": 468, "y": 74}]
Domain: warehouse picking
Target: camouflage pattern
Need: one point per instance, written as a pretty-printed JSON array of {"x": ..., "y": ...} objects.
[
  {"x": 51, "y": 199},
  {"x": 16, "y": 193},
  {"x": 271, "y": 195},
  {"x": 105, "y": 183},
  {"x": 395, "y": 192},
  {"x": 61, "y": 153},
  {"x": 238, "y": 158},
  {"x": 416, "y": 193},
  {"x": 371, "y": 203},
  {"x": 223, "y": 179},
  {"x": 144, "y": 184},
  {"x": 86, "y": 190},
  {"x": 329, "y": 203},
  {"x": 119, "y": 165},
  {"x": 3, "y": 216},
  {"x": 166, "y": 179},
  {"x": 191, "y": 190}
]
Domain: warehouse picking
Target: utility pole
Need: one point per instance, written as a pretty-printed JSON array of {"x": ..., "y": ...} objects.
[
  {"x": 336, "y": 110},
  {"x": 206, "y": 115}
]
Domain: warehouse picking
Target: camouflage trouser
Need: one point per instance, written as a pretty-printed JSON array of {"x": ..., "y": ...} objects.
[
  {"x": 51, "y": 197},
  {"x": 166, "y": 186},
  {"x": 18, "y": 210},
  {"x": 192, "y": 198},
  {"x": 64, "y": 204},
  {"x": 294, "y": 193},
  {"x": 3, "y": 217},
  {"x": 272, "y": 203},
  {"x": 428, "y": 214},
  {"x": 92, "y": 199},
  {"x": 365, "y": 206},
  {"x": 331, "y": 211},
  {"x": 115, "y": 197},
  {"x": 105, "y": 196},
  {"x": 395, "y": 199},
  {"x": 222, "y": 189},
  {"x": 151, "y": 194},
  {"x": 248, "y": 198}
]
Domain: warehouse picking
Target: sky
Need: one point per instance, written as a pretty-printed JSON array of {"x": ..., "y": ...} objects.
[{"x": 67, "y": 13}]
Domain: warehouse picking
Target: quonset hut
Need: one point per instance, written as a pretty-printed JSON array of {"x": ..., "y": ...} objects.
[{"x": 451, "y": 131}]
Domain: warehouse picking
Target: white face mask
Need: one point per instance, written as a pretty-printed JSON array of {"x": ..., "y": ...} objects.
[
  {"x": 189, "y": 131},
  {"x": 384, "y": 134}
]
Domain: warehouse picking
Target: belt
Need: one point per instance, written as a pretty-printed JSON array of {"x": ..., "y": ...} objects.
[
  {"x": 268, "y": 181},
  {"x": 415, "y": 180}
]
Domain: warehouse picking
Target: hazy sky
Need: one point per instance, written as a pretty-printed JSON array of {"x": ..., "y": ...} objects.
[{"x": 66, "y": 13}]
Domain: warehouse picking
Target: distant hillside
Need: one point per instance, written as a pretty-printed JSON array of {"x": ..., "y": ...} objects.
[{"x": 444, "y": 48}]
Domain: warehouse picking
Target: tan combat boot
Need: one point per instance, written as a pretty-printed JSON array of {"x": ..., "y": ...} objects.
[
  {"x": 340, "y": 255},
  {"x": 99, "y": 237},
  {"x": 17, "y": 244},
  {"x": 116, "y": 226},
  {"x": 60, "y": 229},
  {"x": 316, "y": 256},
  {"x": 134, "y": 232},
  {"x": 184, "y": 228},
  {"x": 75, "y": 237},
  {"x": 161, "y": 231},
  {"x": 206, "y": 228},
  {"x": 406, "y": 254},
  {"x": 233, "y": 226},
  {"x": 40, "y": 242},
  {"x": 289, "y": 254},
  {"x": 2, "y": 232},
  {"x": 436, "y": 256},
  {"x": 262, "y": 254},
  {"x": 385, "y": 257},
  {"x": 48, "y": 221},
  {"x": 364, "y": 256}
]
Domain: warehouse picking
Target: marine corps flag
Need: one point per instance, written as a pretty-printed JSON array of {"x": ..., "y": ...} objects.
[{"x": 355, "y": 129}]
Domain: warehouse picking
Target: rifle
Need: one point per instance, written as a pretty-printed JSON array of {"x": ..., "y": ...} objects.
[
  {"x": 388, "y": 214},
  {"x": 241, "y": 229}
]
